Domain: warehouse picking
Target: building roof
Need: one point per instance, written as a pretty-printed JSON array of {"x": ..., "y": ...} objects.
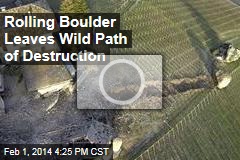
[
  {"x": 39, "y": 6},
  {"x": 42, "y": 76}
]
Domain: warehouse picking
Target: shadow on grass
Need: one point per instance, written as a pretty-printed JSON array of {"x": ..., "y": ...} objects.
[{"x": 212, "y": 43}]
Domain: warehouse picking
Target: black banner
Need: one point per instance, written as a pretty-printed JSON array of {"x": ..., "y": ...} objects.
[{"x": 55, "y": 151}]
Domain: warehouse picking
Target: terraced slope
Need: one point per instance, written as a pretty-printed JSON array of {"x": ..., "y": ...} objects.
[
  {"x": 194, "y": 123},
  {"x": 109, "y": 6},
  {"x": 209, "y": 131}
]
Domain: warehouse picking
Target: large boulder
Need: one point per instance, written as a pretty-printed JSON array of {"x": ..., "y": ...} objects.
[
  {"x": 223, "y": 79},
  {"x": 227, "y": 53},
  {"x": 117, "y": 144}
]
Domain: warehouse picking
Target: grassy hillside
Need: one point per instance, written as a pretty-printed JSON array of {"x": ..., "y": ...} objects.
[
  {"x": 196, "y": 125},
  {"x": 209, "y": 131}
]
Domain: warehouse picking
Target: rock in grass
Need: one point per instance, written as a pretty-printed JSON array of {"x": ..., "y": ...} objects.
[
  {"x": 227, "y": 53},
  {"x": 223, "y": 80},
  {"x": 117, "y": 144}
]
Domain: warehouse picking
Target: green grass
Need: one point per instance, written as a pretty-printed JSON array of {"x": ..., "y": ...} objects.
[
  {"x": 204, "y": 124},
  {"x": 209, "y": 131}
]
